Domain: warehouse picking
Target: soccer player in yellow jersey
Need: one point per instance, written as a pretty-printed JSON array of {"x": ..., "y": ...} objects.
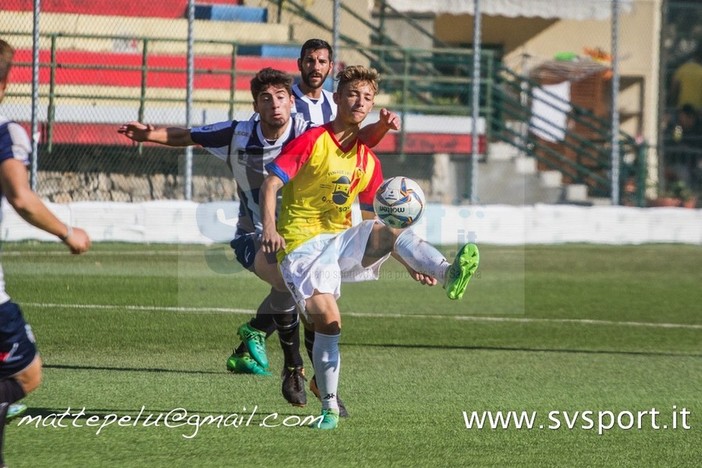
[{"x": 321, "y": 173}]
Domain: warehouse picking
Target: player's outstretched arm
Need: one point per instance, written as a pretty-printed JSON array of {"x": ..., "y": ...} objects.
[
  {"x": 15, "y": 187},
  {"x": 170, "y": 136},
  {"x": 271, "y": 241},
  {"x": 373, "y": 133}
]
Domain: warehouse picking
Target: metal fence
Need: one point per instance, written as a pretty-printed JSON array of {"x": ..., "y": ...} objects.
[
  {"x": 97, "y": 72},
  {"x": 99, "y": 67},
  {"x": 680, "y": 172}
]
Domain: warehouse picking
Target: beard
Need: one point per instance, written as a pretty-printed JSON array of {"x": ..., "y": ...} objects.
[{"x": 308, "y": 81}]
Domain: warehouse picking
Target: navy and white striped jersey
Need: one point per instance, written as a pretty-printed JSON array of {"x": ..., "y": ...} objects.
[
  {"x": 318, "y": 111},
  {"x": 245, "y": 150},
  {"x": 14, "y": 144}
]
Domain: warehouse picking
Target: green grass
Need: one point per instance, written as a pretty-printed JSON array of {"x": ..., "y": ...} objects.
[{"x": 542, "y": 328}]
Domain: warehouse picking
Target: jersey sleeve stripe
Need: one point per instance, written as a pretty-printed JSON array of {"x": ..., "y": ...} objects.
[{"x": 273, "y": 168}]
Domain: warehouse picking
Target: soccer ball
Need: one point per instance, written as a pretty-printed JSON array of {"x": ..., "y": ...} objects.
[{"x": 399, "y": 202}]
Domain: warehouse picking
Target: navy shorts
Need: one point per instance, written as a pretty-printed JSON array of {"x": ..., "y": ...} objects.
[
  {"x": 17, "y": 348},
  {"x": 245, "y": 247}
]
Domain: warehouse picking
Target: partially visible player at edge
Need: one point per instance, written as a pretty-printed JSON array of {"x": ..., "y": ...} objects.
[
  {"x": 20, "y": 364},
  {"x": 321, "y": 173},
  {"x": 247, "y": 146}
]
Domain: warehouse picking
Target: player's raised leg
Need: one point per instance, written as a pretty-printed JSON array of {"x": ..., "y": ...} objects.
[{"x": 423, "y": 257}]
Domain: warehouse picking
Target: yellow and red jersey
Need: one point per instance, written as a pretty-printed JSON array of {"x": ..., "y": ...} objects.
[{"x": 322, "y": 180}]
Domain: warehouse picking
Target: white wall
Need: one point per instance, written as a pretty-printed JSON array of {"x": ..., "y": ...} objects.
[{"x": 188, "y": 222}]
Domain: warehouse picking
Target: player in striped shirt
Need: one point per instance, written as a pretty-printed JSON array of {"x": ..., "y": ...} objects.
[
  {"x": 314, "y": 102},
  {"x": 321, "y": 173},
  {"x": 247, "y": 146}
]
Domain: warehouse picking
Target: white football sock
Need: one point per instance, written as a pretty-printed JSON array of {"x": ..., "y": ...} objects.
[
  {"x": 327, "y": 362},
  {"x": 421, "y": 255}
]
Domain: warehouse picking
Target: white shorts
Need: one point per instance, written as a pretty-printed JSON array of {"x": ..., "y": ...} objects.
[{"x": 325, "y": 261}]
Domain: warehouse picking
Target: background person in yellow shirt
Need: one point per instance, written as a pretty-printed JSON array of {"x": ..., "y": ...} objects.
[{"x": 687, "y": 82}]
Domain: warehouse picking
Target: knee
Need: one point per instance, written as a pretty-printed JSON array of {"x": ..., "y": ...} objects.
[
  {"x": 30, "y": 378},
  {"x": 327, "y": 325}
]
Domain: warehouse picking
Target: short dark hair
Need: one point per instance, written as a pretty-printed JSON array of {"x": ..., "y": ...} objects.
[
  {"x": 270, "y": 77},
  {"x": 6, "y": 55},
  {"x": 316, "y": 44}
]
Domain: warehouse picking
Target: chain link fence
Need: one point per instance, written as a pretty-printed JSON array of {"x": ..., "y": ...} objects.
[
  {"x": 100, "y": 66},
  {"x": 104, "y": 63}
]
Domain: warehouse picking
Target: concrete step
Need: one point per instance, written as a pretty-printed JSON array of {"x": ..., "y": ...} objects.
[
  {"x": 552, "y": 179},
  {"x": 525, "y": 165},
  {"x": 575, "y": 193},
  {"x": 500, "y": 151}
]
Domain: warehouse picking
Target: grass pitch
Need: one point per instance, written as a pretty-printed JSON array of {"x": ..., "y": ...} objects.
[{"x": 597, "y": 348}]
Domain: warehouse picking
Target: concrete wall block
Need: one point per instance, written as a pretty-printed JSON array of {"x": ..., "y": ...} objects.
[{"x": 576, "y": 192}]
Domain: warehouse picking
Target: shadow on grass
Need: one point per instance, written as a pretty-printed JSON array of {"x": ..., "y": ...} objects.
[
  {"x": 134, "y": 369},
  {"x": 525, "y": 350}
]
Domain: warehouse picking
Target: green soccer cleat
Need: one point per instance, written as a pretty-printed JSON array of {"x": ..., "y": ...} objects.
[
  {"x": 15, "y": 410},
  {"x": 461, "y": 271},
  {"x": 255, "y": 341},
  {"x": 329, "y": 420},
  {"x": 243, "y": 364}
]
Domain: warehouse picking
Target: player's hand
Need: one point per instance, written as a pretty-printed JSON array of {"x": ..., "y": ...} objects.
[
  {"x": 136, "y": 131},
  {"x": 271, "y": 241},
  {"x": 78, "y": 241},
  {"x": 390, "y": 119},
  {"x": 421, "y": 277}
]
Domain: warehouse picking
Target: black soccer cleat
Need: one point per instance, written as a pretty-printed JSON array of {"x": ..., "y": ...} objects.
[{"x": 294, "y": 385}]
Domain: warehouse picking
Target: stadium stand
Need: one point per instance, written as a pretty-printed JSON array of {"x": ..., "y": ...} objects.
[
  {"x": 161, "y": 9},
  {"x": 97, "y": 66}
]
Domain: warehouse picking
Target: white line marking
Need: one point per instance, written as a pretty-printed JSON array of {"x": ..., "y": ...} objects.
[
  {"x": 112, "y": 253},
  {"x": 471, "y": 318},
  {"x": 136, "y": 308}
]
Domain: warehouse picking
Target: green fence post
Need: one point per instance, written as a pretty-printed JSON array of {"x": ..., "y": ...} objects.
[
  {"x": 142, "y": 91},
  {"x": 232, "y": 82},
  {"x": 641, "y": 151},
  {"x": 51, "y": 118},
  {"x": 405, "y": 92}
]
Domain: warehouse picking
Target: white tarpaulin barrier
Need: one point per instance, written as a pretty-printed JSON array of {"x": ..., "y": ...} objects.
[
  {"x": 564, "y": 9},
  {"x": 206, "y": 223}
]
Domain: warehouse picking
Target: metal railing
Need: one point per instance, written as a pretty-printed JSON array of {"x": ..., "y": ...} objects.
[
  {"x": 434, "y": 81},
  {"x": 583, "y": 157},
  {"x": 420, "y": 83}
]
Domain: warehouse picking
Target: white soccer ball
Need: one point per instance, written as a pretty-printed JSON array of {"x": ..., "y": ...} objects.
[{"x": 399, "y": 202}]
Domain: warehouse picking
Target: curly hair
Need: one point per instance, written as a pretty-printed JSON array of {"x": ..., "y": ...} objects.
[{"x": 270, "y": 77}]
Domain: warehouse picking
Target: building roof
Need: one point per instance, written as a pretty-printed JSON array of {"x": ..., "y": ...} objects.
[{"x": 564, "y": 9}]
